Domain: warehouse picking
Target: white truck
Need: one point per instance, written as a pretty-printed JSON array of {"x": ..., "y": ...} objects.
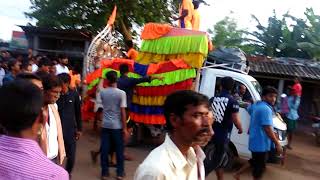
[{"x": 209, "y": 85}]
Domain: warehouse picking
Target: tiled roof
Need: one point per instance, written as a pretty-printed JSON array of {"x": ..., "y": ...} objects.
[{"x": 285, "y": 67}]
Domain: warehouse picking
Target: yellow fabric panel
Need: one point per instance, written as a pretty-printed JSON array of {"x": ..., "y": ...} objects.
[
  {"x": 149, "y": 100},
  {"x": 194, "y": 60}
]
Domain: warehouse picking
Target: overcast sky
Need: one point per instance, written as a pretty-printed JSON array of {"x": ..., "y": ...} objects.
[{"x": 12, "y": 12}]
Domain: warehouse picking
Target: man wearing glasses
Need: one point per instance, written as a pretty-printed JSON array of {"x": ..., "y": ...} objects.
[{"x": 51, "y": 137}]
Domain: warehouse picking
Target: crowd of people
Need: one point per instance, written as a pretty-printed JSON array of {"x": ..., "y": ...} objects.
[
  {"x": 11, "y": 66},
  {"x": 41, "y": 121},
  {"x": 40, "y": 110}
]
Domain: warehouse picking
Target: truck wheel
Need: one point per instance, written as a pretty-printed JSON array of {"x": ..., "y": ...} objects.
[{"x": 132, "y": 141}]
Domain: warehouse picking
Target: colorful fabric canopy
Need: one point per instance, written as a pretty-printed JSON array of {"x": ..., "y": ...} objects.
[
  {"x": 148, "y": 99},
  {"x": 166, "y": 52},
  {"x": 136, "y": 68},
  {"x": 174, "y": 43}
]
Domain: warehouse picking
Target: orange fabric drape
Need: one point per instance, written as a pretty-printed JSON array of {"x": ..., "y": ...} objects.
[
  {"x": 94, "y": 75},
  {"x": 166, "y": 66},
  {"x": 87, "y": 109},
  {"x": 132, "y": 54},
  {"x": 148, "y": 119},
  {"x": 115, "y": 63},
  {"x": 154, "y": 31}
]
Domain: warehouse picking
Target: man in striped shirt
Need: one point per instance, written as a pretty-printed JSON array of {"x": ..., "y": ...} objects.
[{"x": 21, "y": 116}]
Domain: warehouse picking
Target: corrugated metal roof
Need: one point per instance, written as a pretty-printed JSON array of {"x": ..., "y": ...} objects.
[{"x": 286, "y": 68}]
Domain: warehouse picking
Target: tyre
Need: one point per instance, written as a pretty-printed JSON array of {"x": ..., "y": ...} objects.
[{"x": 132, "y": 141}]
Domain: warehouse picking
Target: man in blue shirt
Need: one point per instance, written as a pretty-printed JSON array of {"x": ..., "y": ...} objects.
[
  {"x": 261, "y": 131},
  {"x": 292, "y": 117},
  {"x": 226, "y": 113}
]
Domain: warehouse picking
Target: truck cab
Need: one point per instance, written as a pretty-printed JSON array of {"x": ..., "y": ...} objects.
[{"x": 209, "y": 85}]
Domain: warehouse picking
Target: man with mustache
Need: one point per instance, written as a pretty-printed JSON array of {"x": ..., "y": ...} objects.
[
  {"x": 189, "y": 124},
  {"x": 226, "y": 113}
]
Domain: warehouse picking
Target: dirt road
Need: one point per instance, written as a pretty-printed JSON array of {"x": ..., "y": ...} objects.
[{"x": 303, "y": 162}]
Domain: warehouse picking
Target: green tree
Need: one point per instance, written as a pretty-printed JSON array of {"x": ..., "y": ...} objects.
[
  {"x": 310, "y": 33},
  {"x": 92, "y": 15},
  {"x": 226, "y": 33},
  {"x": 278, "y": 39},
  {"x": 267, "y": 39}
]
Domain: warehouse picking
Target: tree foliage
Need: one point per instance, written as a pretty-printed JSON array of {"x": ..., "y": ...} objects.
[
  {"x": 226, "y": 33},
  {"x": 310, "y": 33},
  {"x": 92, "y": 15},
  {"x": 279, "y": 38}
]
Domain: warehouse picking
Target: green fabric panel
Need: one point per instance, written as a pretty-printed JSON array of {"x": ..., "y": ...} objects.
[
  {"x": 93, "y": 83},
  {"x": 130, "y": 74},
  {"x": 104, "y": 73},
  {"x": 177, "y": 45},
  {"x": 169, "y": 78}
]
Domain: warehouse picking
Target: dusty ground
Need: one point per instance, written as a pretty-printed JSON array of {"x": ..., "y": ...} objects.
[{"x": 303, "y": 162}]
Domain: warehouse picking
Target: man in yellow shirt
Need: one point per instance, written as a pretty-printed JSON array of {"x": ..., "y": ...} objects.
[
  {"x": 196, "y": 16},
  {"x": 132, "y": 53},
  {"x": 185, "y": 14}
]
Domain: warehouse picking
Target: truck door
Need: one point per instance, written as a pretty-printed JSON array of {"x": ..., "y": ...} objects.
[
  {"x": 208, "y": 83},
  {"x": 242, "y": 141}
]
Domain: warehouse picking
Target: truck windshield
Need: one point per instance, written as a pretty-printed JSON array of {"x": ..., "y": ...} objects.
[{"x": 257, "y": 86}]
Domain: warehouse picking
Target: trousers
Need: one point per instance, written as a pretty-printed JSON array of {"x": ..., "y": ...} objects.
[{"x": 111, "y": 137}]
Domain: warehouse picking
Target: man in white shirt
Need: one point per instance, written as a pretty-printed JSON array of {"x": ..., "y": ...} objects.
[
  {"x": 51, "y": 140},
  {"x": 189, "y": 123},
  {"x": 62, "y": 66}
]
